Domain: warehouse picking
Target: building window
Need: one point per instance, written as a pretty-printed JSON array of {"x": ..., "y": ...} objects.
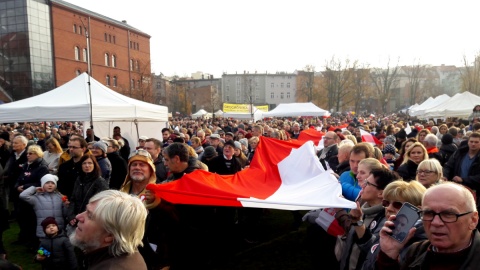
[
  {"x": 131, "y": 44},
  {"x": 105, "y": 35},
  {"x": 114, "y": 81},
  {"x": 272, "y": 85},
  {"x": 107, "y": 59},
  {"x": 281, "y": 95},
  {"x": 80, "y": 30},
  {"x": 132, "y": 84},
  {"x": 288, "y": 85},
  {"x": 159, "y": 85},
  {"x": 288, "y": 94},
  {"x": 138, "y": 47},
  {"x": 107, "y": 80},
  {"x": 281, "y": 85},
  {"x": 110, "y": 38},
  {"x": 114, "y": 61},
  {"x": 78, "y": 72},
  {"x": 272, "y": 95},
  {"x": 74, "y": 28},
  {"x": 131, "y": 64},
  {"x": 114, "y": 40},
  {"x": 77, "y": 53},
  {"x": 257, "y": 97},
  {"x": 84, "y": 55},
  {"x": 137, "y": 66}
]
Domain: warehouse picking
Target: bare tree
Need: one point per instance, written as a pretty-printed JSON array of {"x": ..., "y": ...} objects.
[
  {"x": 338, "y": 79},
  {"x": 415, "y": 75},
  {"x": 361, "y": 86},
  {"x": 384, "y": 81},
  {"x": 471, "y": 75}
]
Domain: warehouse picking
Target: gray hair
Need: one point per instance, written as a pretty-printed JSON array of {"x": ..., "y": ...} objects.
[
  {"x": 22, "y": 138},
  {"x": 124, "y": 217},
  {"x": 431, "y": 140},
  {"x": 468, "y": 199}
]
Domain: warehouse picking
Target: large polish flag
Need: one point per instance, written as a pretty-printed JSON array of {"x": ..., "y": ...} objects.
[{"x": 283, "y": 175}]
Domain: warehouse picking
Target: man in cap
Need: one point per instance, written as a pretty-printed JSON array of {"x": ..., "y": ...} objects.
[
  {"x": 141, "y": 142},
  {"x": 141, "y": 172},
  {"x": 215, "y": 142}
]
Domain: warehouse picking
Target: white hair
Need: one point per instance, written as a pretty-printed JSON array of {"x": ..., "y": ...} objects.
[{"x": 431, "y": 139}]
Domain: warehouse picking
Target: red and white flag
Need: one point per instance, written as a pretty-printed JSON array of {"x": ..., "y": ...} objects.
[
  {"x": 283, "y": 175},
  {"x": 369, "y": 138}
]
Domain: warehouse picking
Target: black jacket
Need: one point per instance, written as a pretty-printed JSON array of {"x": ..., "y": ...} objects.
[
  {"x": 61, "y": 252},
  {"x": 446, "y": 151},
  {"x": 161, "y": 170},
  {"x": 119, "y": 170},
  {"x": 14, "y": 168},
  {"x": 454, "y": 166},
  {"x": 330, "y": 157},
  {"x": 67, "y": 174},
  {"x": 85, "y": 187},
  {"x": 218, "y": 165},
  {"x": 32, "y": 173}
]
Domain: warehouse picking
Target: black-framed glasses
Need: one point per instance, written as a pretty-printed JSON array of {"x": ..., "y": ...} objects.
[
  {"x": 396, "y": 205},
  {"x": 31, "y": 153},
  {"x": 141, "y": 152},
  {"x": 446, "y": 217},
  {"x": 426, "y": 172},
  {"x": 74, "y": 147},
  {"x": 370, "y": 184}
]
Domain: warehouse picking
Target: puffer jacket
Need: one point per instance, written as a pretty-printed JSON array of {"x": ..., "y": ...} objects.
[
  {"x": 61, "y": 251},
  {"x": 45, "y": 205}
]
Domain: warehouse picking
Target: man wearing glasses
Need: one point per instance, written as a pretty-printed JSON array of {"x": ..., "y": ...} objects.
[
  {"x": 330, "y": 151},
  {"x": 69, "y": 170},
  {"x": 449, "y": 217}
]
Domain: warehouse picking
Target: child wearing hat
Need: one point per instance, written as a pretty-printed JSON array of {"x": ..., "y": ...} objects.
[
  {"x": 55, "y": 251},
  {"x": 46, "y": 201},
  {"x": 389, "y": 153}
]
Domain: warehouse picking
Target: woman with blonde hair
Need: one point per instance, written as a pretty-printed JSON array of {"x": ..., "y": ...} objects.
[
  {"x": 415, "y": 154},
  {"x": 52, "y": 154},
  {"x": 351, "y": 138},
  {"x": 429, "y": 172}
]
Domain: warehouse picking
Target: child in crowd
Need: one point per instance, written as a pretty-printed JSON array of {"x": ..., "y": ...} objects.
[
  {"x": 46, "y": 201},
  {"x": 389, "y": 154},
  {"x": 56, "y": 251}
]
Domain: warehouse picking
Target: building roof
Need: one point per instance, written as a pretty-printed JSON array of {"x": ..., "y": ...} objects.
[{"x": 99, "y": 16}]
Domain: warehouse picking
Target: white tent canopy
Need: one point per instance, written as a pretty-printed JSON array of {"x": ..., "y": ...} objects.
[
  {"x": 428, "y": 105},
  {"x": 257, "y": 115},
  {"x": 460, "y": 105},
  {"x": 201, "y": 113},
  {"x": 219, "y": 113},
  {"x": 71, "y": 102},
  {"x": 296, "y": 109}
]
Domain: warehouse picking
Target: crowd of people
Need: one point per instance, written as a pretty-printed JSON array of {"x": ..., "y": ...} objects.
[{"x": 83, "y": 203}]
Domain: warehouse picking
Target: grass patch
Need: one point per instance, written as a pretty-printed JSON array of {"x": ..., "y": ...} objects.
[{"x": 18, "y": 254}]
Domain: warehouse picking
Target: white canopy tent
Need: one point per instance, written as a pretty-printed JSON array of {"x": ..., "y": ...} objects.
[
  {"x": 460, "y": 105},
  {"x": 257, "y": 115},
  {"x": 201, "y": 113},
  {"x": 296, "y": 109},
  {"x": 71, "y": 102},
  {"x": 428, "y": 105},
  {"x": 219, "y": 113}
]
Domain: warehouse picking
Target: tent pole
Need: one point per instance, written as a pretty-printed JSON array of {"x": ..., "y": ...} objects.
[{"x": 89, "y": 66}]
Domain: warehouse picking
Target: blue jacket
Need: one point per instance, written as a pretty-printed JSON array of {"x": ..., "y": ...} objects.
[{"x": 350, "y": 187}]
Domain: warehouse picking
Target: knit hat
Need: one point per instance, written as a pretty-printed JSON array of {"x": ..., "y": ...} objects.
[
  {"x": 48, "y": 221},
  {"x": 101, "y": 145},
  {"x": 389, "y": 149},
  {"x": 48, "y": 178},
  {"x": 238, "y": 145},
  {"x": 447, "y": 138},
  {"x": 4, "y": 135},
  {"x": 244, "y": 141},
  {"x": 209, "y": 152}
]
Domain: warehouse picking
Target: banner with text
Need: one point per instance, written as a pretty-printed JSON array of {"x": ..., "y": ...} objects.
[{"x": 242, "y": 108}]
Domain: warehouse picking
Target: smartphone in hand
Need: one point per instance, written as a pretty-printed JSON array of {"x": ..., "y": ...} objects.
[{"x": 405, "y": 219}]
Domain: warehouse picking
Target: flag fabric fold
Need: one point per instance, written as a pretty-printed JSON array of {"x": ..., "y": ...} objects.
[{"x": 283, "y": 175}]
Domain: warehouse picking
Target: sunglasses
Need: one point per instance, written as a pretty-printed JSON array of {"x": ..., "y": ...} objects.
[
  {"x": 31, "y": 153},
  {"x": 396, "y": 205}
]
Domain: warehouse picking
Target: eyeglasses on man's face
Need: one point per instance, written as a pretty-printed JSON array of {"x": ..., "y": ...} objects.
[
  {"x": 446, "y": 217},
  {"x": 74, "y": 147}
]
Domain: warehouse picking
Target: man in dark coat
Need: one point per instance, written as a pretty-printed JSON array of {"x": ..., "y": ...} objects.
[
  {"x": 154, "y": 147},
  {"x": 69, "y": 170},
  {"x": 119, "y": 165},
  {"x": 330, "y": 151},
  {"x": 14, "y": 168}
]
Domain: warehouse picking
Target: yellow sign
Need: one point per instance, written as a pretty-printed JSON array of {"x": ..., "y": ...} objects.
[{"x": 241, "y": 108}]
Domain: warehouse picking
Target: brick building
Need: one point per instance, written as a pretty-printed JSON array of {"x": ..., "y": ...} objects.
[{"x": 44, "y": 45}]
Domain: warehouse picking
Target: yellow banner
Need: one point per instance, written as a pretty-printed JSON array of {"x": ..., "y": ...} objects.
[{"x": 241, "y": 108}]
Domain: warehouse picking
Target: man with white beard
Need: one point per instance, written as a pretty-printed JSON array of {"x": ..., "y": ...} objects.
[
  {"x": 141, "y": 172},
  {"x": 110, "y": 230}
]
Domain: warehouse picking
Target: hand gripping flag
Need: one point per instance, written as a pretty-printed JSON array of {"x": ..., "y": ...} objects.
[{"x": 283, "y": 175}]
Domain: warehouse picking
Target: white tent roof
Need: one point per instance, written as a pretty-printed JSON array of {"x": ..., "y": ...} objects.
[
  {"x": 428, "y": 104},
  {"x": 296, "y": 109},
  {"x": 71, "y": 102},
  {"x": 201, "y": 113},
  {"x": 219, "y": 113},
  {"x": 460, "y": 105}
]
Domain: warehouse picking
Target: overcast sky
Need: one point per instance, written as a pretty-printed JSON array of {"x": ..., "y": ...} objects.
[{"x": 228, "y": 36}]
